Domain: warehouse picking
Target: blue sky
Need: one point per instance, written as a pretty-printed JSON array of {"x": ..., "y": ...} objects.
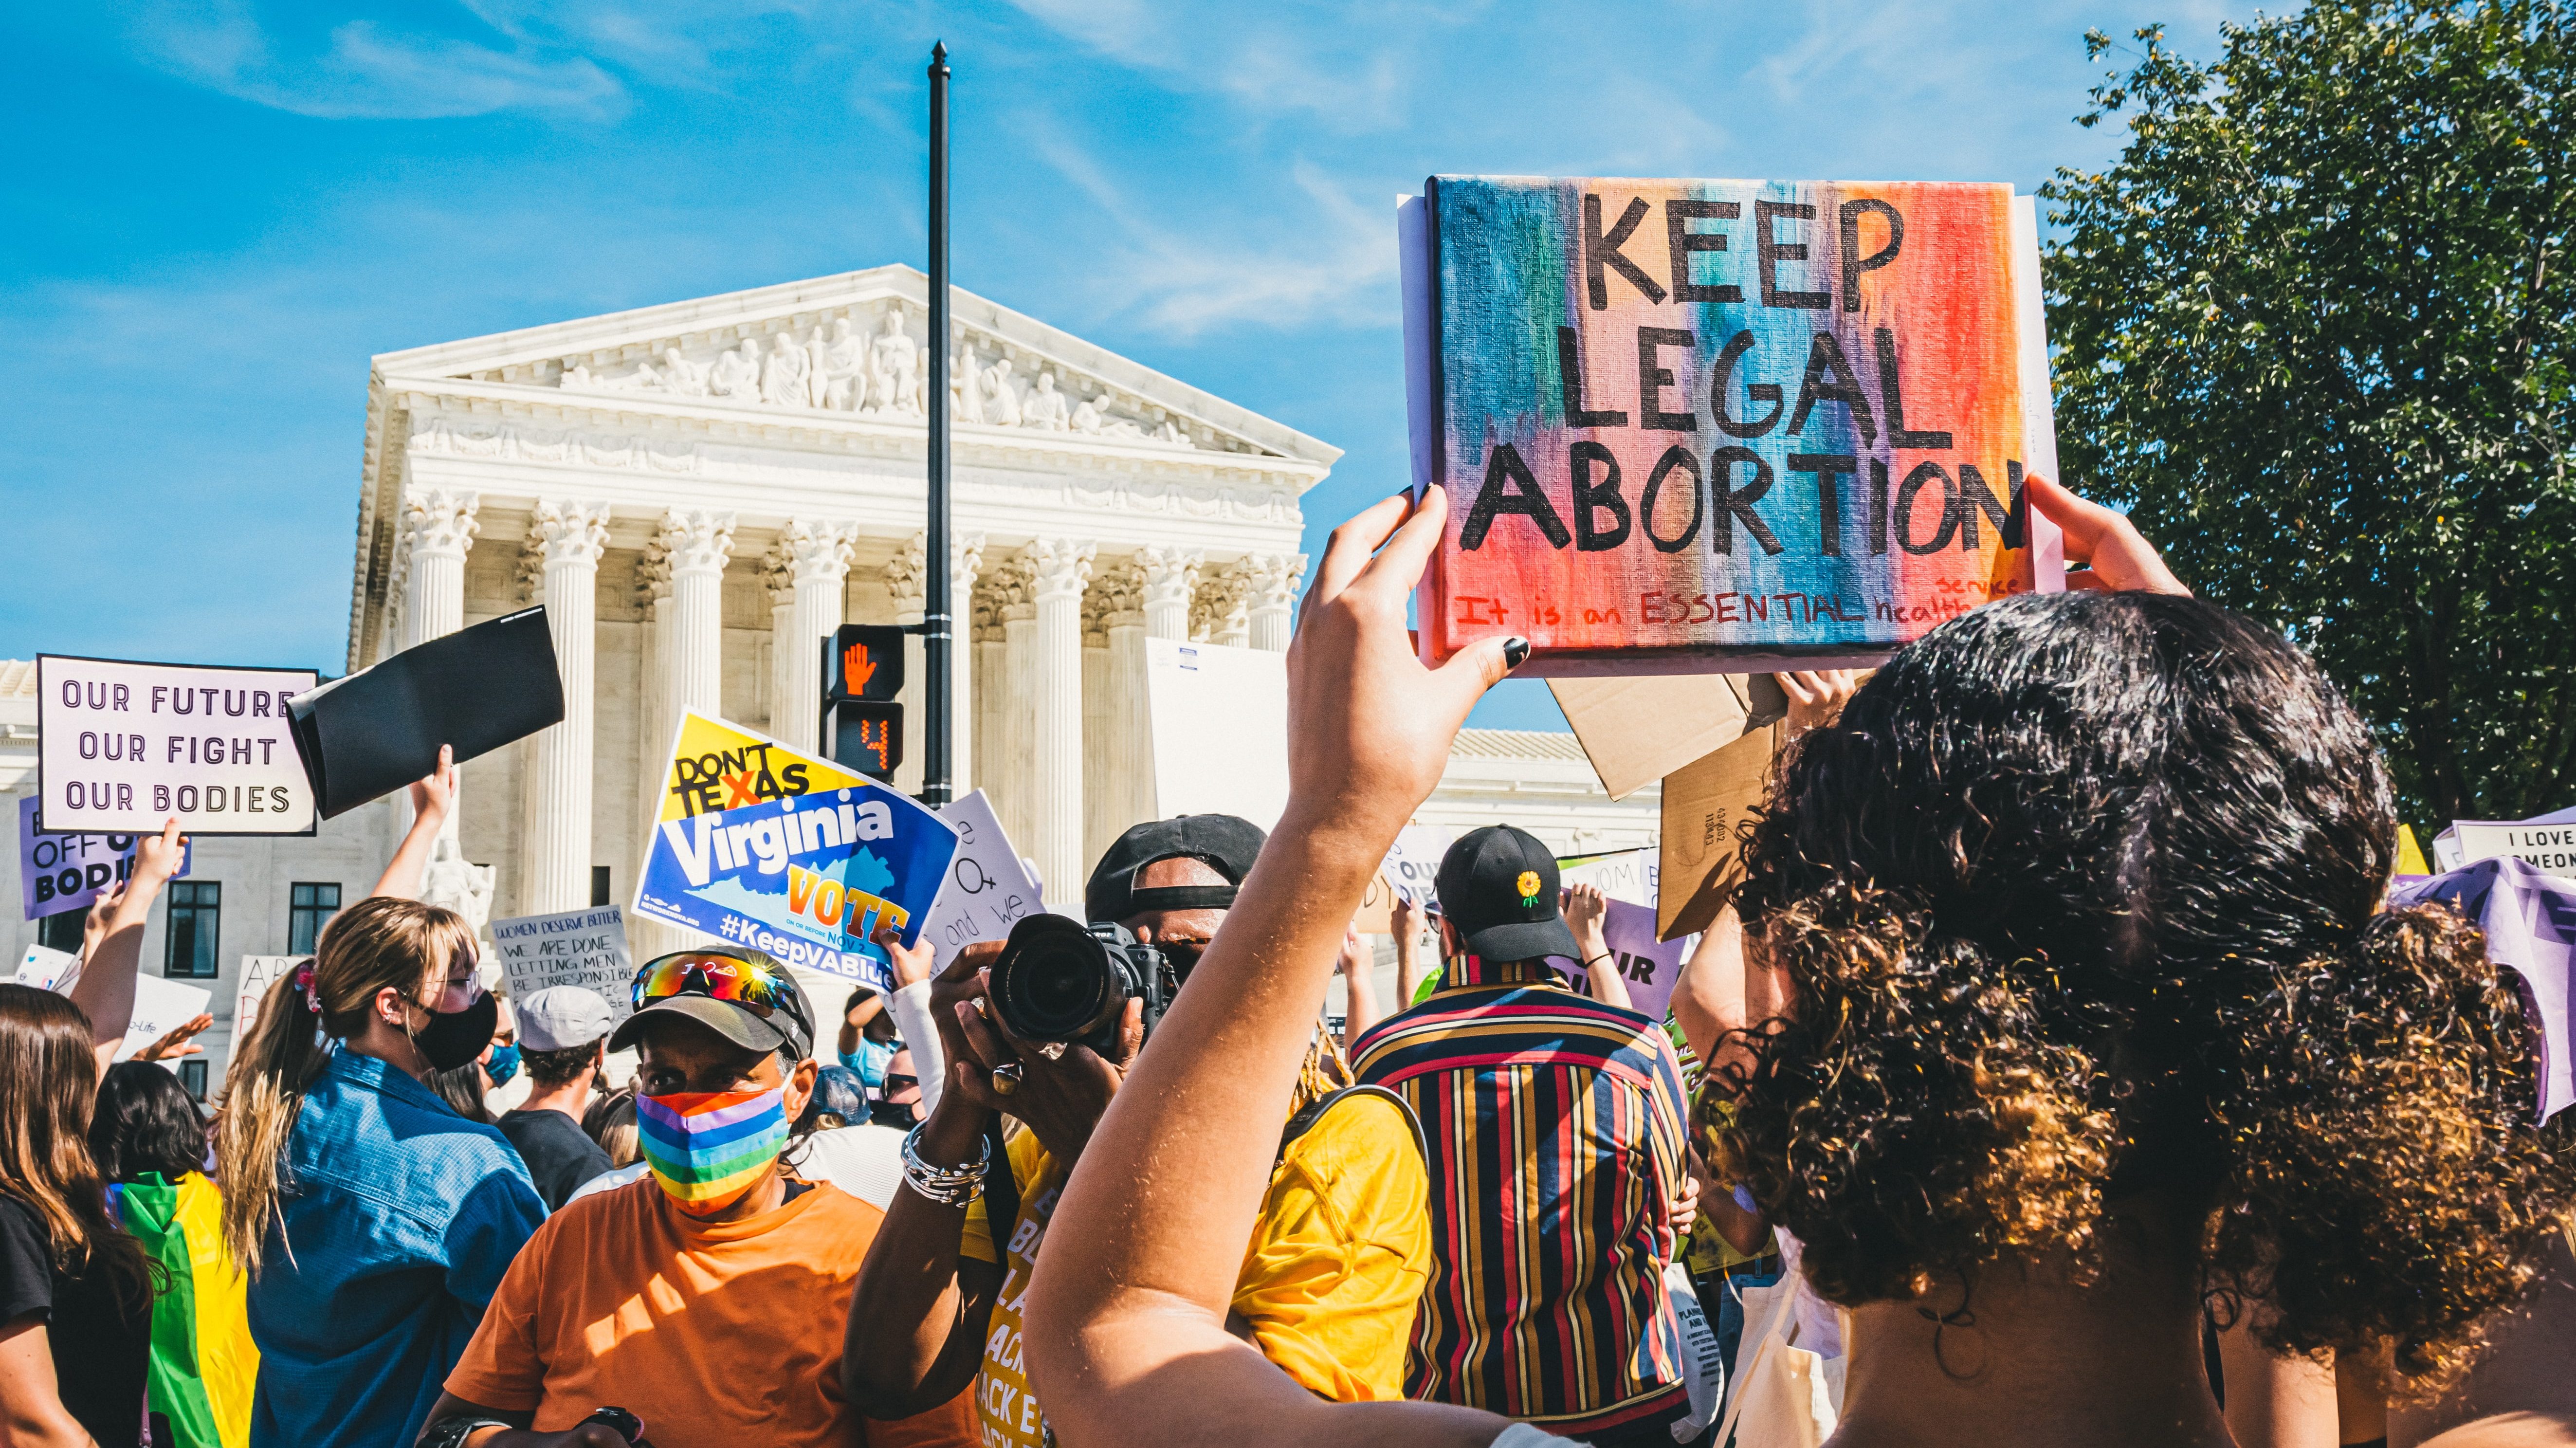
[{"x": 217, "y": 211}]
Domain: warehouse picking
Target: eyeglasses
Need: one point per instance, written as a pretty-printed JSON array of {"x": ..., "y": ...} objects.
[
  {"x": 756, "y": 987},
  {"x": 1183, "y": 953}
]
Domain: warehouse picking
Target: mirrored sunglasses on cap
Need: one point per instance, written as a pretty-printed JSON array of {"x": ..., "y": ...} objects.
[{"x": 751, "y": 984}]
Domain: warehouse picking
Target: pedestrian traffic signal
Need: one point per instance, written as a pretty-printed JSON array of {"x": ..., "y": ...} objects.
[
  {"x": 863, "y": 661},
  {"x": 866, "y": 736}
]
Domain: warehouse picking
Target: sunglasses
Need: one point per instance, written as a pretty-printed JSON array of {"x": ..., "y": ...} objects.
[{"x": 757, "y": 988}]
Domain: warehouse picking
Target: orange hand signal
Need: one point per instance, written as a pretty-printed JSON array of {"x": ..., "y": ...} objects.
[{"x": 856, "y": 667}]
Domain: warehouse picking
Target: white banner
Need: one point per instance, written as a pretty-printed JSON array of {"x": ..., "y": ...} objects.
[
  {"x": 2549, "y": 848},
  {"x": 126, "y": 747},
  {"x": 1219, "y": 719},
  {"x": 585, "y": 948}
]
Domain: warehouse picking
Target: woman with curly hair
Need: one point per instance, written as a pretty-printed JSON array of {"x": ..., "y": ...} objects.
[{"x": 2088, "y": 1020}]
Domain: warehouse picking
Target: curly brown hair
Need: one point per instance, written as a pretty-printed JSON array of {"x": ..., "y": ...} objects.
[{"x": 2077, "y": 904}]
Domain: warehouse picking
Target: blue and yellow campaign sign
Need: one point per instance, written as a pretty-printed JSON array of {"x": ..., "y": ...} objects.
[{"x": 766, "y": 846}]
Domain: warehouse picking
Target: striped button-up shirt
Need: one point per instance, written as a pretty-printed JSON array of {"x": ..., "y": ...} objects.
[{"x": 1556, "y": 1143}]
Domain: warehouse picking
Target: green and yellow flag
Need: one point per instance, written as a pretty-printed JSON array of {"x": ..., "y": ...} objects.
[{"x": 203, "y": 1363}]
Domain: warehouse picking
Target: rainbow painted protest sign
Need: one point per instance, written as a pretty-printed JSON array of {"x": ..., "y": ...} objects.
[{"x": 1691, "y": 425}]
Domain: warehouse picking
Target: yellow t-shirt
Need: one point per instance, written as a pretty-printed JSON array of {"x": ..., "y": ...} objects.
[
  {"x": 1710, "y": 1253},
  {"x": 1336, "y": 1263}
]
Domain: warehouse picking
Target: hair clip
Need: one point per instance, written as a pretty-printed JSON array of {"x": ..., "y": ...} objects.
[{"x": 303, "y": 979}]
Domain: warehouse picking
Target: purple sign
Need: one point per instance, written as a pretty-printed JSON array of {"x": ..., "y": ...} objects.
[
  {"x": 61, "y": 872},
  {"x": 2530, "y": 921}
]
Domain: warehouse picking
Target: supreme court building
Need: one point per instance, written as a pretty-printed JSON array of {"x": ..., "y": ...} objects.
[{"x": 698, "y": 492}]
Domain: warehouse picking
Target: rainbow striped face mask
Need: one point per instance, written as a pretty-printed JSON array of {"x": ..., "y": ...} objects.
[{"x": 709, "y": 1148}]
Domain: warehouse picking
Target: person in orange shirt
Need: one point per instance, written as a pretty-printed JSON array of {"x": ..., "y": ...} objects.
[{"x": 704, "y": 1303}]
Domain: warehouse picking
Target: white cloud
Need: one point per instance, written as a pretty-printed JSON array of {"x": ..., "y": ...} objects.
[
  {"x": 1348, "y": 68},
  {"x": 366, "y": 72},
  {"x": 1182, "y": 281}
]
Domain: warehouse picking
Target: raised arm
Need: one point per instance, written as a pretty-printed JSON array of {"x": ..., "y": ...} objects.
[
  {"x": 432, "y": 800},
  {"x": 105, "y": 990},
  {"x": 1358, "y": 965},
  {"x": 1126, "y": 1333},
  {"x": 1585, "y": 909},
  {"x": 1408, "y": 952},
  {"x": 920, "y": 1307}
]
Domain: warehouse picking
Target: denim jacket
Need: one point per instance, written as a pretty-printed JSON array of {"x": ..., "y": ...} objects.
[{"x": 399, "y": 1218}]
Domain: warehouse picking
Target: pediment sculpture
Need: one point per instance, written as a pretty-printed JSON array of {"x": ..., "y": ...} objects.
[{"x": 833, "y": 367}]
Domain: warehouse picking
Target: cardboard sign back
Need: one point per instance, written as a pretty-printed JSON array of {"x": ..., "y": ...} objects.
[
  {"x": 1704, "y": 805},
  {"x": 1688, "y": 425},
  {"x": 1636, "y": 730}
]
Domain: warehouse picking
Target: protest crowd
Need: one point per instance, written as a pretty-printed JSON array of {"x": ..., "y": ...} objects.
[{"x": 2057, "y": 1073}]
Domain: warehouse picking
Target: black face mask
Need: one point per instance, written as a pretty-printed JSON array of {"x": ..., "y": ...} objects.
[
  {"x": 888, "y": 1113},
  {"x": 453, "y": 1038}
]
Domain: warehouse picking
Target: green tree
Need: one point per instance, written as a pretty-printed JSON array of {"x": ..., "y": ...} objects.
[{"x": 2313, "y": 327}]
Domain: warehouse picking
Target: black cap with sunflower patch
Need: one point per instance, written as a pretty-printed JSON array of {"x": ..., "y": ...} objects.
[{"x": 1498, "y": 886}]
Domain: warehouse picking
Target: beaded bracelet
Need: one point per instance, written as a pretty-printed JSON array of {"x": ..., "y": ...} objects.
[{"x": 950, "y": 1186}]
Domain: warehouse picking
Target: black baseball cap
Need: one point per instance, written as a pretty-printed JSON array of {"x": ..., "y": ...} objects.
[
  {"x": 1498, "y": 886},
  {"x": 741, "y": 994},
  {"x": 1227, "y": 845}
]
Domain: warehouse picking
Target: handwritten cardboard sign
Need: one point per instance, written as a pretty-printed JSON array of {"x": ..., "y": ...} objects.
[
  {"x": 126, "y": 747},
  {"x": 770, "y": 847},
  {"x": 250, "y": 993},
  {"x": 1688, "y": 424},
  {"x": 989, "y": 887},
  {"x": 61, "y": 872},
  {"x": 585, "y": 948},
  {"x": 1651, "y": 967},
  {"x": 1704, "y": 805},
  {"x": 161, "y": 1005}
]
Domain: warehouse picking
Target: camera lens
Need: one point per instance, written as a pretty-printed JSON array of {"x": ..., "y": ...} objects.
[{"x": 1053, "y": 981}]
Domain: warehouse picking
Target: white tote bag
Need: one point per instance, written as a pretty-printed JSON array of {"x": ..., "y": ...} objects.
[{"x": 1784, "y": 1395}]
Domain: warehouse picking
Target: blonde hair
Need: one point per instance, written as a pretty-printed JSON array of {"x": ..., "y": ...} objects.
[{"x": 381, "y": 941}]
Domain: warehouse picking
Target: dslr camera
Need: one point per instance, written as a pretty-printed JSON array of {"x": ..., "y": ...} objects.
[{"x": 1067, "y": 983}]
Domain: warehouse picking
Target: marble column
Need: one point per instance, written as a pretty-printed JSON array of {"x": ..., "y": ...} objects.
[
  {"x": 1221, "y": 613},
  {"x": 565, "y": 539},
  {"x": 907, "y": 580},
  {"x": 1169, "y": 577},
  {"x": 1058, "y": 571},
  {"x": 653, "y": 738},
  {"x": 1126, "y": 729},
  {"x": 698, "y": 543},
  {"x": 991, "y": 655},
  {"x": 1270, "y": 589},
  {"x": 440, "y": 525},
  {"x": 778, "y": 579},
  {"x": 1015, "y": 737},
  {"x": 965, "y": 759},
  {"x": 1097, "y": 806},
  {"x": 818, "y": 562}
]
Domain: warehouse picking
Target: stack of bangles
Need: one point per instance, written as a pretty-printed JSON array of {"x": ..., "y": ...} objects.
[{"x": 949, "y": 1186}]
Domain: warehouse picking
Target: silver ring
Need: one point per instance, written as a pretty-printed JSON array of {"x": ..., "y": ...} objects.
[{"x": 1006, "y": 1077}]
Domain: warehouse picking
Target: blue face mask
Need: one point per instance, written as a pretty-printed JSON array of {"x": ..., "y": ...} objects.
[
  {"x": 868, "y": 1062},
  {"x": 503, "y": 1065}
]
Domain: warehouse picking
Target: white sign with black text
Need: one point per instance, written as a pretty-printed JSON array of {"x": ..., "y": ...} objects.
[
  {"x": 988, "y": 888},
  {"x": 126, "y": 747},
  {"x": 585, "y": 948}
]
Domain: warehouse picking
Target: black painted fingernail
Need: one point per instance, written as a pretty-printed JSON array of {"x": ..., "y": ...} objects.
[{"x": 1514, "y": 650}]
